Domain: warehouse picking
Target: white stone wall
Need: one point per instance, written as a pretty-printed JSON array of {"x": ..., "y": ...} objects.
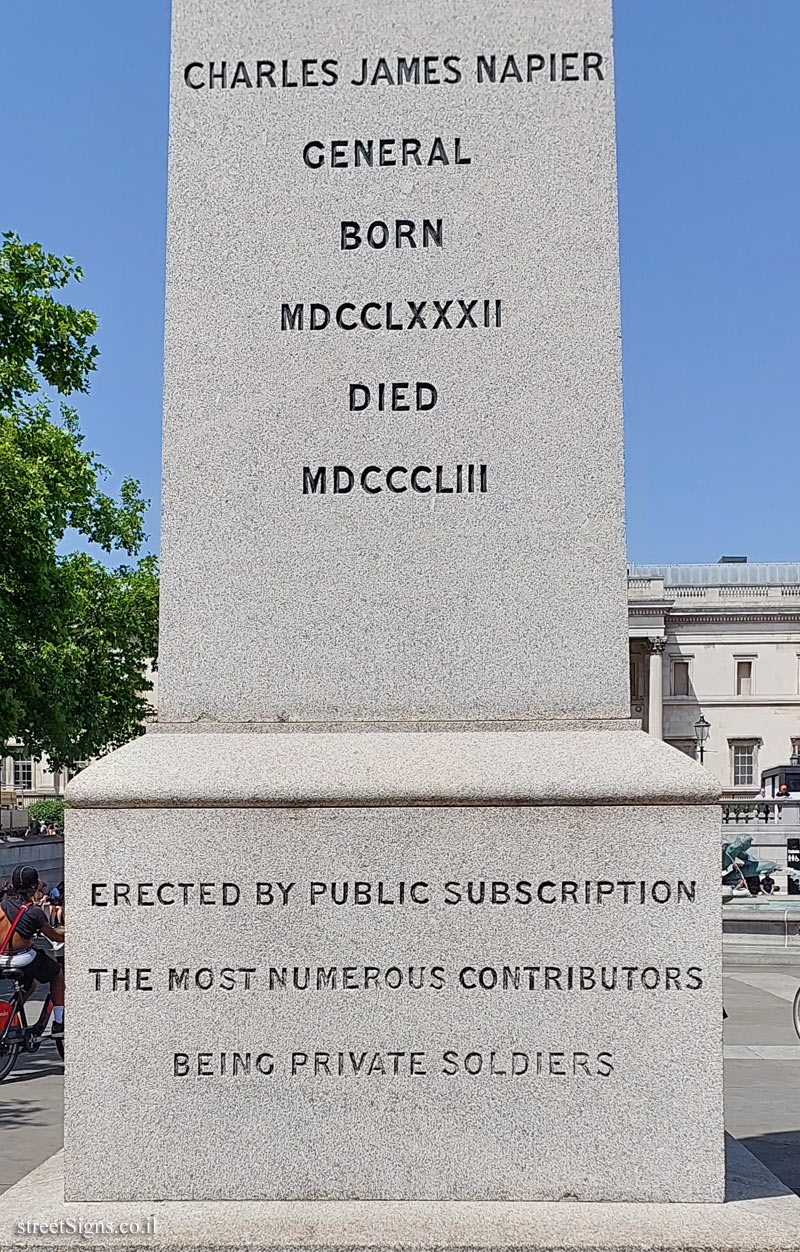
[
  {"x": 711, "y": 627},
  {"x": 770, "y": 716},
  {"x": 44, "y": 781}
]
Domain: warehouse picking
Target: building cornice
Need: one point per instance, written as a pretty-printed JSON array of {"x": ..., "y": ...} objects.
[
  {"x": 761, "y": 614},
  {"x": 733, "y": 702},
  {"x": 714, "y": 613}
]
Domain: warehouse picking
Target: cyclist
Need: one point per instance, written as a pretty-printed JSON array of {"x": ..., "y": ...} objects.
[{"x": 21, "y": 921}]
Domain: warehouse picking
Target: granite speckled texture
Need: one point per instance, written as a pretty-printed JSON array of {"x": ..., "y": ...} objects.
[
  {"x": 493, "y": 1134},
  {"x": 761, "y": 1215},
  {"x": 517, "y": 767},
  {"x": 519, "y": 998},
  {"x": 280, "y": 606}
]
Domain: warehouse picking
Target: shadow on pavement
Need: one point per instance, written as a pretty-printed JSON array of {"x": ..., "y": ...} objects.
[
  {"x": 780, "y": 1152},
  {"x": 31, "y": 1115},
  {"x": 31, "y": 1065},
  {"x": 24, "y": 1113}
]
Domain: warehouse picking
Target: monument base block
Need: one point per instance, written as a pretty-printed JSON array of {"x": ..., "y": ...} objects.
[
  {"x": 475, "y": 966},
  {"x": 759, "y": 1215}
]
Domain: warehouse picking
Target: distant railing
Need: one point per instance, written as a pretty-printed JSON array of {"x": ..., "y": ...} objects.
[
  {"x": 646, "y": 588},
  {"x": 738, "y": 813},
  {"x": 653, "y": 588},
  {"x": 766, "y": 811},
  {"x": 745, "y": 591}
]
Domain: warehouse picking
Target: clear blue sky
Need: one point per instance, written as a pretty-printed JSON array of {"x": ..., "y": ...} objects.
[{"x": 710, "y": 222}]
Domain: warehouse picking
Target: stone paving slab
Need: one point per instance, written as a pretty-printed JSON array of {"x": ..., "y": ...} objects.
[
  {"x": 763, "y": 1052},
  {"x": 783, "y": 986},
  {"x": 762, "y": 1068},
  {"x": 751, "y": 954},
  {"x": 760, "y": 1215}
]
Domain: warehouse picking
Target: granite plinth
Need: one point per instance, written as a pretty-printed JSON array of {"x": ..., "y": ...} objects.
[
  {"x": 759, "y": 1215},
  {"x": 511, "y": 1031},
  {"x": 617, "y": 765}
]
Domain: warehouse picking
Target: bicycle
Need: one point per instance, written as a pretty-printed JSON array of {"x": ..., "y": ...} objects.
[
  {"x": 15, "y": 1034},
  {"x": 796, "y": 1012}
]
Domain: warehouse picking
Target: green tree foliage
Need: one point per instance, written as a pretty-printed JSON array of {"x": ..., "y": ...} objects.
[
  {"x": 75, "y": 635},
  {"x": 42, "y": 340},
  {"x": 48, "y": 811}
]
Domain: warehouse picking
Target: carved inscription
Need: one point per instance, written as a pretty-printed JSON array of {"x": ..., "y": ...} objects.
[
  {"x": 437, "y": 158},
  {"x": 487, "y": 68},
  {"x": 285, "y": 976}
]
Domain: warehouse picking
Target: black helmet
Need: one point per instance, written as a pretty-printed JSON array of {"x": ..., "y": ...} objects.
[{"x": 24, "y": 878}]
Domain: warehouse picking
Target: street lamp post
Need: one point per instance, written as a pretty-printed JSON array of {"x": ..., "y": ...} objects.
[{"x": 701, "y": 729}]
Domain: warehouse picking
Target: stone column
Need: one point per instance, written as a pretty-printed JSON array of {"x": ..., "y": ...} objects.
[{"x": 655, "y": 711}]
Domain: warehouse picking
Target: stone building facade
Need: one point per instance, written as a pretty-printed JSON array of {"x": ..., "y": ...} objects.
[
  {"x": 722, "y": 641},
  {"x": 22, "y": 782}
]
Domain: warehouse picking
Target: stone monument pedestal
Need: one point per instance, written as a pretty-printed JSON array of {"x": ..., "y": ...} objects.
[
  {"x": 760, "y": 1215},
  {"x": 470, "y": 965},
  {"x": 363, "y": 950}
]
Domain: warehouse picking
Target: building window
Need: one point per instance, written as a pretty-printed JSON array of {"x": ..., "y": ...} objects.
[
  {"x": 23, "y": 775},
  {"x": 744, "y": 677},
  {"x": 634, "y": 673},
  {"x": 743, "y": 764},
  {"x": 688, "y": 746},
  {"x": 680, "y": 678}
]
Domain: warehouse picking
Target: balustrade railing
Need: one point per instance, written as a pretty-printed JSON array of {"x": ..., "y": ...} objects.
[
  {"x": 647, "y": 588},
  {"x": 764, "y": 811}
]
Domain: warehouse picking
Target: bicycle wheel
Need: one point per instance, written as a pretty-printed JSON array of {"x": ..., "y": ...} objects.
[
  {"x": 59, "y": 1046},
  {"x": 8, "y": 1055},
  {"x": 796, "y": 1012}
]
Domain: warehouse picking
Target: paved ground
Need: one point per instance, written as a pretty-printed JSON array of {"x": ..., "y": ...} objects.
[
  {"x": 31, "y": 1112},
  {"x": 762, "y": 1066},
  {"x": 762, "y": 1082}
]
